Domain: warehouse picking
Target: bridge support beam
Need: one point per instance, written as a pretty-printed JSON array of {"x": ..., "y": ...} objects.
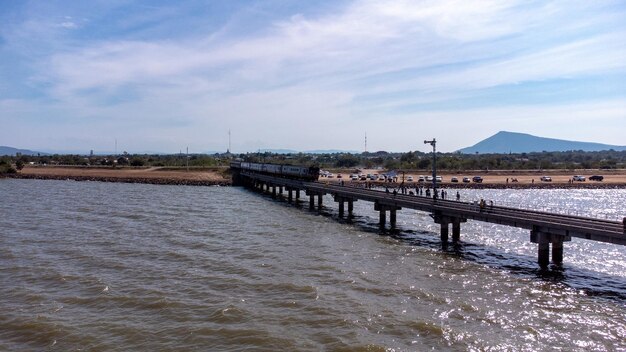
[
  {"x": 544, "y": 239},
  {"x": 456, "y": 231},
  {"x": 289, "y": 195},
  {"x": 444, "y": 221},
  {"x": 557, "y": 252},
  {"x": 382, "y": 220},
  {"x": 273, "y": 191},
  {"x": 312, "y": 195},
  {"x": 444, "y": 232},
  {"x": 342, "y": 201},
  {"x": 383, "y": 208}
]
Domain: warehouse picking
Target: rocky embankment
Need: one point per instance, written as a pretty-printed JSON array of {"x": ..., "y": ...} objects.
[{"x": 148, "y": 180}]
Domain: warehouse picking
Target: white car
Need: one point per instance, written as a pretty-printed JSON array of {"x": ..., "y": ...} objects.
[
  {"x": 354, "y": 177},
  {"x": 438, "y": 179},
  {"x": 409, "y": 179},
  {"x": 429, "y": 179},
  {"x": 421, "y": 178},
  {"x": 578, "y": 178}
]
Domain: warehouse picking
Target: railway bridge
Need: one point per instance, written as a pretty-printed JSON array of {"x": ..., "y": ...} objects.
[{"x": 547, "y": 230}]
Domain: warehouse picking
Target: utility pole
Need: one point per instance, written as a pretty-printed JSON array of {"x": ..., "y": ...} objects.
[{"x": 433, "y": 143}]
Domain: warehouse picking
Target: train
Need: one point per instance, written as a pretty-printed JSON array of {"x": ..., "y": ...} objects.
[{"x": 306, "y": 173}]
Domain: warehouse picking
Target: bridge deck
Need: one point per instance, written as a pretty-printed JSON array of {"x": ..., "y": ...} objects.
[{"x": 559, "y": 224}]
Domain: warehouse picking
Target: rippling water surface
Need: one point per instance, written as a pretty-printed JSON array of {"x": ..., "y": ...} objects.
[{"x": 108, "y": 266}]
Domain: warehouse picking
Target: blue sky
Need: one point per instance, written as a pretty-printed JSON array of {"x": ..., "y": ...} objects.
[{"x": 303, "y": 75}]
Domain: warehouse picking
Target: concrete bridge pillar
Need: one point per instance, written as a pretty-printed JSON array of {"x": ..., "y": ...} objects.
[
  {"x": 557, "y": 251},
  {"x": 319, "y": 201},
  {"x": 382, "y": 217},
  {"x": 342, "y": 204},
  {"x": 544, "y": 239},
  {"x": 543, "y": 253},
  {"x": 444, "y": 232},
  {"x": 311, "y": 202},
  {"x": 280, "y": 190},
  {"x": 445, "y": 221},
  {"x": 297, "y": 195},
  {"x": 456, "y": 231},
  {"x": 383, "y": 208},
  {"x": 273, "y": 191},
  {"x": 289, "y": 195}
]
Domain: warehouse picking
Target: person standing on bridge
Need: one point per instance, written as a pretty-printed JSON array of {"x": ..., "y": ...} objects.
[{"x": 458, "y": 196}]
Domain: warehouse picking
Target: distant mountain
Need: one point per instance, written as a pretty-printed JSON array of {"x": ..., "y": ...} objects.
[
  {"x": 13, "y": 151},
  {"x": 512, "y": 142}
]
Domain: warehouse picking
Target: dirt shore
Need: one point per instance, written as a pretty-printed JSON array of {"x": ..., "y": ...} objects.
[{"x": 154, "y": 175}]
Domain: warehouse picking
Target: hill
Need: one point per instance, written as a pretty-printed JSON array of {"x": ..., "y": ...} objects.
[
  {"x": 512, "y": 142},
  {"x": 4, "y": 150}
]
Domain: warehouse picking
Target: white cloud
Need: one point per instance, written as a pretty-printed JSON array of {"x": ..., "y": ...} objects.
[{"x": 306, "y": 81}]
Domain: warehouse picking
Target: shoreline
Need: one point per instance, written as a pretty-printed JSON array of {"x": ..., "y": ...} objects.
[
  {"x": 144, "y": 180},
  {"x": 162, "y": 176}
]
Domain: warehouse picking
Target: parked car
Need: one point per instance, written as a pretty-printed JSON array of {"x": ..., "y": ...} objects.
[
  {"x": 354, "y": 177},
  {"x": 438, "y": 179},
  {"x": 466, "y": 179},
  {"x": 409, "y": 179},
  {"x": 339, "y": 176},
  {"x": 329, "y": 175},
  {"x": 578, "y": 178},
  {"x": 421, "y": 178},
  {"x": 596, "y": 178},
  {"x": 454, "y": 179},
  {"x": 477, "y": 179},
  {"x": 546, "y": 179},
  {"x": 429, "y": 179}
]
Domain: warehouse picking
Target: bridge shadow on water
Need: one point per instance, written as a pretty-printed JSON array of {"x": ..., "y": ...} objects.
[{"x": 589, "y": 282}]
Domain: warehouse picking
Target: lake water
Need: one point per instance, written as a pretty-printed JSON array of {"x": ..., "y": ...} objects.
[{"x": 130, "y": 267}]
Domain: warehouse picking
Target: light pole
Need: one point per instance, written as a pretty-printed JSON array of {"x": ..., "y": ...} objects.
[{"x": 433, "y": 143}]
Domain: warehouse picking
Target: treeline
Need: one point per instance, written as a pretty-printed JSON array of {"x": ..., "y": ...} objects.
[
  {"x": 135, "y": 160},
  {"x": 454, "y": 161},
  {"x": 411, "y": 160}
]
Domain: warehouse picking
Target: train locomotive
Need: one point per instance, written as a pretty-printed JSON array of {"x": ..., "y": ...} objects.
[{"x": 306, "y": 173}]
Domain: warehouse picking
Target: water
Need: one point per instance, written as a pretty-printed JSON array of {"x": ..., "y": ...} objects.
[{"x": 105, "y": 267}]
